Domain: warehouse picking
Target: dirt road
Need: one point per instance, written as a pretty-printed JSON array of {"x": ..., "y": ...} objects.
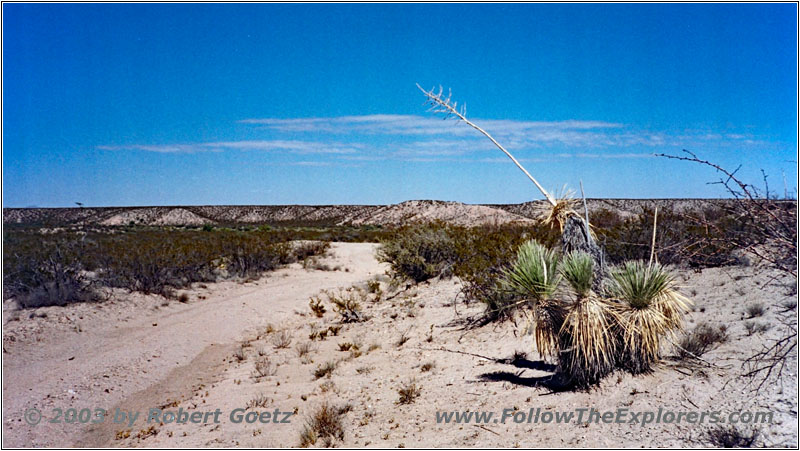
[{"x": 133, "y": 354}]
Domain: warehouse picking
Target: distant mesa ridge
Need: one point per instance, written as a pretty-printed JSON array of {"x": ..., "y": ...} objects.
[{"x": 327, "y": 215}]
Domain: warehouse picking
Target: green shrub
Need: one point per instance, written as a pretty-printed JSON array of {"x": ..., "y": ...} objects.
[
  {"x": 46, "y": 271},
  {"x": 419, "y": 252}
]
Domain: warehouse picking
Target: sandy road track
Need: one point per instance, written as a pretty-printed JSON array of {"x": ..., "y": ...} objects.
[{"x": 164, "y": 351}]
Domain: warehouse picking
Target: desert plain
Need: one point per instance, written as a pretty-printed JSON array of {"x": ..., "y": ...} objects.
[{"x": 418, "y": 350}]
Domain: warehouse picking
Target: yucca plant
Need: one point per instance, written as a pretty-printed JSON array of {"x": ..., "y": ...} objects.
[
  {"x": 534, "y": 275},
  {"x": 588, "y": 335},
  {"x": 651, "y": 308},
  {"x": 577, "y": 268}
]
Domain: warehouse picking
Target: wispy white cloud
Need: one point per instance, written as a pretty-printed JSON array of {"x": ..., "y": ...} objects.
[
  {"x": 414, "y": 125},
  {"x": 417, "y": 138},
  {"x": 290, "y": 146}
]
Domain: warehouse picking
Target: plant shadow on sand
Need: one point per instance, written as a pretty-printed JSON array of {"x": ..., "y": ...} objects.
[{"x": 553, "y": 381}]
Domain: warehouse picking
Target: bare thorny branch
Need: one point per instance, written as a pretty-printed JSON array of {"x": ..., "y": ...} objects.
[
  {"x": 773, "y": 239},
  {"x": 772, "y": 230}
]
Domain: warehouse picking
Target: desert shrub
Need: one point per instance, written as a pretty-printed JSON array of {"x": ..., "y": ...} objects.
[
  {"x": 700, "y": 340},
  {"x": 698, "y": 238},
  {"x": 307, "y": 249},
  {"x": 731, "y": 436},
  {"x": 755, "y": 310},
  {"x": 316, "y": 306},
  {"x": 45, "y": 271},
  {"x": 753, "y": 327},
  {"x": 347, "y": 303},
  {"x": 282, "y": 340},
  {"x": 325, "y": 370},
  {"x": 52, "y": 267},
  {"x": 419, "y": 252},
  {"x": 409, "y": 392},
  {"x": 324, "y": 424},
  {"x": 264, "y": 368}
]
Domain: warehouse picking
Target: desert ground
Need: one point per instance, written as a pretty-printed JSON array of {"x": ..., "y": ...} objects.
[{"x": 136, "y": 352}]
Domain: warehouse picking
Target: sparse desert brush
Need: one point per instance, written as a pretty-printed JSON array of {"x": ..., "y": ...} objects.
[
  {"x": 753, "y": 327},
  {"x": 324, "y": 424},
  {"x": 755, "y": 310},
  {"x": 731, "y": 436},
  {"x": 303, "y": 348},
  {"x": 240, "y": 354},
  {"x": 282, "y": 340},
  {"x": 347, "y": 303},
  {"x": 45, "y": 272},
  {"x": 418, "y": 252},
  {"x": 260, "y": 401},
  {"x": 146, "y": 260},
  {"x": 334, "y": 330},
  {"x": 325, "y": 370},
  {"x": 701, "y": 339},
  {"x": 409, "y": 392},
  {"x": 651, "y": 308},
  {"x": 264, "y": 368},
  {"x": 316, "y": 306},
  {"x": 311, "y": 248},
  {"x": 427, "y": 366}
]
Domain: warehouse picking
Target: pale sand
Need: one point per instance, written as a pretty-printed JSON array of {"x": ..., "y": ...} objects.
[{"x": 121, "y": 359}]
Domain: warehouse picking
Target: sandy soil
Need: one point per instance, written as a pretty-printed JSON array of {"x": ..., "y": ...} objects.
[{"x": 136, "y": 354}]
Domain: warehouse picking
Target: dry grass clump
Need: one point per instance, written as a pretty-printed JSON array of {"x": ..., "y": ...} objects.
[
  {"x": 753, "y": 327},
  {"x": 701, "y": 339},
  {"x": 732, "y": 437},
  {"x": 409, "y": 392},
  {"x": 427, "y": 366},
  {"x": 260, "y": 401},
  {"x": 264, "y": 368},
  {"x": 325, "y": 370},
  {"x": 324, "y": 424},
  {"x": 304, "y": 349},
  {"x": 755, "y": 310},
  {"x": 316, "y": 306},
  {"x": 240, "y": 354},
  {"x": 347, "y": 346},
  {"x": 404, "y": 337},
  {"x": 282, "y": 340}
]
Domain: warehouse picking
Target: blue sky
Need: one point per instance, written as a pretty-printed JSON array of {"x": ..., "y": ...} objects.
[{"x": 167, "y": 104}]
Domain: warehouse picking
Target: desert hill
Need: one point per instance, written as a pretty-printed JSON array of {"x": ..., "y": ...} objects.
[{"x": 327, "y": 215}]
